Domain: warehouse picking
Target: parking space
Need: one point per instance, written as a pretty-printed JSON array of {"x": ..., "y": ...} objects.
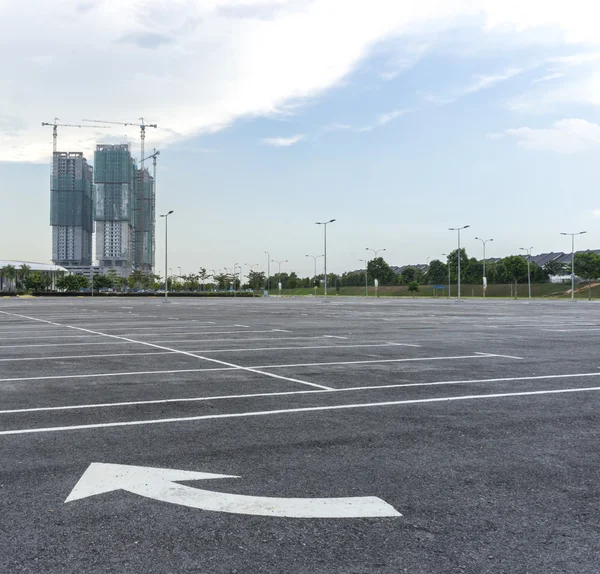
[{"x": 473, "y": 425}]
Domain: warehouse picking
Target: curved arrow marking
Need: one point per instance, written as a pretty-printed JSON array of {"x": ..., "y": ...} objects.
[{"x": 160, "y": 484}]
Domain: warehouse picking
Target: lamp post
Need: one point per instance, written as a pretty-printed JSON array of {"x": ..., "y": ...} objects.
[
  {"x": 235, "y": 265},
  {"x": 573, "y": 261},
  {"x": 375, "y": 252},
  {"x": 325, "y": 224},
  {"x": 279, "y": 272},
  {"x": 458, "y": 229},
  {"x": 214, "y": 273},
  {"x": 166, "y": 216},
  {"x": 483, "y": 242},
  {"x": 448, "y": 266},
  {"x": 528, "y": 251},
  {"x": 315, "y": 257},
  {"x": 365, "y": 261},
  {"x": 268, "y": 271}
]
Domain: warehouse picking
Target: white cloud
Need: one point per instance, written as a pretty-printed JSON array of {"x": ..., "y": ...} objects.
[
  {"x": 483, "y": 82},
  {"x": 196, "y": 66},
  {"x": 549, "y": 77},
  {"x": 566, "y": 136},
  {"x": 283, "y": 142},
  {"x": 383, "y": 119}
]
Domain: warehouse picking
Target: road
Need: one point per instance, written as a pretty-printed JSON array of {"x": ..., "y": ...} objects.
[{"x": 464, "y": 432}]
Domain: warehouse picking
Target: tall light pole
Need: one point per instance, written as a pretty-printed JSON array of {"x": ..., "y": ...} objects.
[
  {"x": 180, "y": 273},
  {"x": 279, "y": 273},
  {"x": 166, "y": 216},
  {"x": 315, "y": 257},
  {"x": 448, "y": 266},
  {"x": 375, "y": 252},
  {"x": 458, "y": 229},
  {"x": 573, "y": 261},
  {"x": 268, "y": 271},
  {"x": 325, "y": 224},
  {"x": 528, "y": 251},
  {"x": 365, "y": 261},
  {"x": 235, "y": 265},
  {"x": 214, "y": 273},
  {"x": 483, "y": 242}
]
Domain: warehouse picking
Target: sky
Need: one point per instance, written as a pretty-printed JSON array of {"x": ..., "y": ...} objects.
[{"x": 400, "y": 119}]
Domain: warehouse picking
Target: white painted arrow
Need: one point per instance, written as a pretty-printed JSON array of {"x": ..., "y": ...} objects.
[{"x": 160, "y": 484}]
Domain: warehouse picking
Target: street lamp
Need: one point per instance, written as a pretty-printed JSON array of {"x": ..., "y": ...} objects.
[
  {"x": 458, "y": 229},
  {"x": 528, "y": 251},
  {"x": 325, "y": 224},
  {"x": 448, "y": 266},
  {"x": 375, "y": 252},
  {"x": 236, "y": 265},
  {"x": 483, "y": 242},
  {"x": 268, "y": 271},
  {"x": 573, "y": 261},
  {"x": 166, "y": 216},
  {"x": 180, "y": 273},
  {"x": 315, "y": 257},
  {"x": 365, "y": 261},
  {"x": 214, "y": 273}
]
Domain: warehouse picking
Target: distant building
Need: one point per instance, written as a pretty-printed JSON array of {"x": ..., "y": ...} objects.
[
  {"x": 114, "y": 176},
  {"x": 71, "y": 195},
  {"x": 143, "y": 221}
]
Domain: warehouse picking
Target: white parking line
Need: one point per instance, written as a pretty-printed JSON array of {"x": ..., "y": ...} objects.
[
  {"x": 251, "y": 368},
  {"x": 127, "y": 340},
  {"x": 234, "y": 350},
  {"x": 295, "y": 410},
  {"x": 287, "y": 393},
  {"x": 187, "y": 353}
]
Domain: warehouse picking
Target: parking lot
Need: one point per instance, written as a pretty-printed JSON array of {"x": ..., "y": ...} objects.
[{"x": 435, "y": 435}]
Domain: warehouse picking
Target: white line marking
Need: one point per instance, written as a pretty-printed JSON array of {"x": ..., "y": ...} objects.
[
  {"x": 187, "y": 353},
  {"x": 296, "y": 410},
  {"x": 503, "y": 356},
  {"x": 241, "y": 350},
  {"x": 231, "y": 366},
  {"x": 55, "y": 336},
  {"x": 373, "y": 361},
  {"x": 287, "y": 393}
]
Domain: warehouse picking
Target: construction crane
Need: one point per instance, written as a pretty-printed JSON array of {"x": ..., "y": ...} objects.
[
  {"x": 55, "y": 127},
  {"x": 143, "y": 125}
]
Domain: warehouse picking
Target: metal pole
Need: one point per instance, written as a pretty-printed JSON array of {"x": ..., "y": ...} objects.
[
  {"x": 573, "y": 261},
  {"x": 166, "y": 216},
  {"x": 166, "y": 258},
  {"x": 324, "y": 224},
  {"x": 529, "y": 273},
  {"x": 459, "y": 229},
  {"x": 483, "y": 242},
  {"x": 573, "y": 267},
  {"x": 459, "y": 254},
  {"x": 268, "y": 271}
]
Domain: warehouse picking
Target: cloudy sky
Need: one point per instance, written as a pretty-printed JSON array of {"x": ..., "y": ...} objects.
[{"x": 399, "y": 118}]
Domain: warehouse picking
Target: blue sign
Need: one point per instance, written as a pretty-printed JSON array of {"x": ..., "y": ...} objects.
[{"x": 439, "y": 286}]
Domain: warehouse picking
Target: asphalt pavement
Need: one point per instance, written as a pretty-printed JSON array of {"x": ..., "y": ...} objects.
[{"x": 299, "y": 435}]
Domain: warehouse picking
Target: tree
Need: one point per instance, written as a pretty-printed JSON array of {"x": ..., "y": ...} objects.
[
  {"x": 378, "y": 269},
  {"x": 256, "y": 279},
  {"x": 102, "y": 282},
  {"x": 72, "y": 282},
  {"x": 516, "y": 268},
  {"x": 453, "y": 263},
  {"x": 413, "y": 287},
  {"x": 587, "y": 266},
  {"x": 437, "y": 273},
  {"x": 114, "y": 278},
  {"x": 35, "y": 281},
  {"x": 9, "y": 272},
  {"x": 202, "y": 276},
  {"x": 23, "y": 272},
  {"x": 554, "y": 268},
  {"x": 408, "y": 275},
  {"x": 293, "y": 280}
]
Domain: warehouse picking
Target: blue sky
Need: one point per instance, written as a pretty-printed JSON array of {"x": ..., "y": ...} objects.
[{"x": 399, "y": 119}]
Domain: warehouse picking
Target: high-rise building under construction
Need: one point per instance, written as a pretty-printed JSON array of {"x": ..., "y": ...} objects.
[
  {"x": 71, "y": 195},
  {"x": 143, "y": 220},
  {"x": 114, "y": 176}
]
